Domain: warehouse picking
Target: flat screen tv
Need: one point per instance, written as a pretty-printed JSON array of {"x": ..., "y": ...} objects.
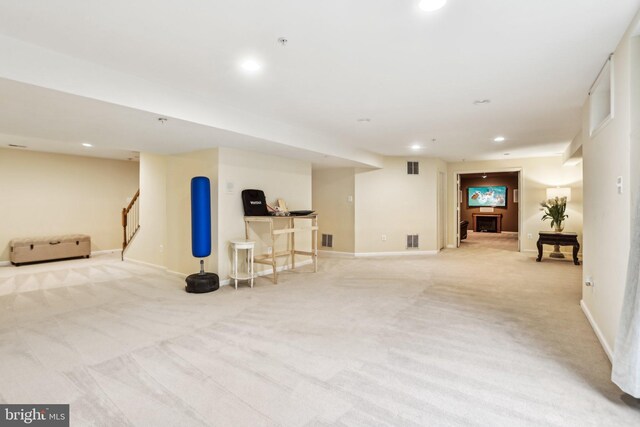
[{"x": 487, "y": 196}]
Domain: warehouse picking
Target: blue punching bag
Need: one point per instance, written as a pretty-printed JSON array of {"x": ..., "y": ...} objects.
[
  {"x": 200, "y": 217},
  {"x": 201, "y": 235}
]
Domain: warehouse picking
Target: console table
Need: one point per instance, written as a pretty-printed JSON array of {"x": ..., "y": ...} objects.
[
  {"x": 290, "y": 229},
  {"x": 561, "y": 239}
]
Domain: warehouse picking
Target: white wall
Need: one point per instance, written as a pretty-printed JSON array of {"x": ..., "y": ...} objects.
[
  {"x": 279, "y": 178},
  {"x": 538, "y": 174},
  {"x": 392, "y": 203},
  {"x": 608, "y": 155},
  {"x": 51, "y": 194}
]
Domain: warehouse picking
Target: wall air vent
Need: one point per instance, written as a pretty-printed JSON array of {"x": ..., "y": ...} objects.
[
  {"x": 412, "y": 241},
  {"x": 327, "y": 240},
  {"x": 413, "y": 168}
]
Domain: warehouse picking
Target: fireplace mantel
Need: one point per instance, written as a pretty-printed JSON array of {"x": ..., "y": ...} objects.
[{"x": 496, "y": 216}]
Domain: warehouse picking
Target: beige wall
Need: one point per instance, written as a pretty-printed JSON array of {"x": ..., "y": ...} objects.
[
  {"x": 332, "y": 189},
  {"x": 180, "y": 170},
  {"x": 165, "y": 211},
  {"x": 164, "y": 238},
  {"x": 49, "y": 194},
  {"x": 537, "y": 175},
  {"x": 149, "y": 243},
  {"x": 392, "y": 203},
  {"x": 279, "y": 178},
  {"x": 609, "y": 154}
]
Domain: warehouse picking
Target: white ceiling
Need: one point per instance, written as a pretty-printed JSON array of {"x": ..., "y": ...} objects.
[{"x": 415, "y": 75}]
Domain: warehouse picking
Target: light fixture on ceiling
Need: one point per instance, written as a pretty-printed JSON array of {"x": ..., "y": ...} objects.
[
  {"x": 251, "y": 65},
  {"x": 416, "y": 147},
  {"x": 484, "y": 176},
  {"x": 481, "y": 102},
  {"x": 86, "y": 144},
  {"x": 499, "y": 139},
  {"x": 431, "y": 5}
]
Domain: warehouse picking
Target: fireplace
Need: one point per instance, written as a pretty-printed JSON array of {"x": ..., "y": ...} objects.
[{"x": 487, "y": 223}]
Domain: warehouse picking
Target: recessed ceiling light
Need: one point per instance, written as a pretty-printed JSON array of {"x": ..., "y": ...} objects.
[
  {"x": 499, "y": 139},
  {"x": 416, "y": 147},
  {"x": 482, "y": 101},
  {"x": 251, "y": 65},
  {"x": 432, "y": 5},
  {"x": 86, "y": 144}
]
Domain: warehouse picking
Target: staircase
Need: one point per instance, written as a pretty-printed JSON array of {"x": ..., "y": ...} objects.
[{"x": 130, "y": 221}]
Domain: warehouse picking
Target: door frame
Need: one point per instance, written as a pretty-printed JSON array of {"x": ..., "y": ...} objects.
[
  {"x": 458, "y": 198},
  {"x": 442, "y": 225}
]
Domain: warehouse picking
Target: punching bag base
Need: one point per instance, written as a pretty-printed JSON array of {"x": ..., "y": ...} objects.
[{"x": 201, "y": 283}]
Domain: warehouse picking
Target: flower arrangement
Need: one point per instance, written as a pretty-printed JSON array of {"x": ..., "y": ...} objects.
[{"x": 554, "y": 209}]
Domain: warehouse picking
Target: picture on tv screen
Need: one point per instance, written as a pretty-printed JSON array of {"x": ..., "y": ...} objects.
[{"x": 487, "y": 196}]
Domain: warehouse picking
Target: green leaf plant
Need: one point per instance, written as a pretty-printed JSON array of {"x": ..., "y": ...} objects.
[{"x": 554, "y": 209}]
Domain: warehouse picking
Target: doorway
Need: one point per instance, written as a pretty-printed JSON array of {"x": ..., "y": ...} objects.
[{"x": 488, "y": 209}]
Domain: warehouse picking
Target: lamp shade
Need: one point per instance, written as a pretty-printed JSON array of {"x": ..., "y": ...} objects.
[{"x": 554, "y": 192}]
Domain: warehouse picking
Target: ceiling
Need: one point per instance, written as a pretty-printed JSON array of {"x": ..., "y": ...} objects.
[{"x": 415, "y": 75}]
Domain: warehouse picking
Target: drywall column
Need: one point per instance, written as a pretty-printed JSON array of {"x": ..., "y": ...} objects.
[
  {"x": 333, "y": 199},
  {"x": 390, "y": 204},
  {"x": 149, "y": 244}
]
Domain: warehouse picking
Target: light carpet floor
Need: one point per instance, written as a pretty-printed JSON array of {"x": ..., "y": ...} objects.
[
  {"x": 470, "y": 337},
  {"x": 504, "y": 241}
]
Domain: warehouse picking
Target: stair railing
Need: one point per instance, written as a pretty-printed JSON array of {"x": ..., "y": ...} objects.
[{"x": 130, "y": 221}]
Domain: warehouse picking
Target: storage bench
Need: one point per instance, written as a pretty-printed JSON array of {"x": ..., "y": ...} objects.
[{"x": 49, "y": 248}]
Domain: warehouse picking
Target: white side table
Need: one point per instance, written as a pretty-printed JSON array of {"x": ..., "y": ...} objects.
[{"x": 239, "y": 245}]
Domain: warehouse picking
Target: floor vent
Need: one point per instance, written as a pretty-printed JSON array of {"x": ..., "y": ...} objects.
[
  {"x": 413, "y": 168},
  {"x": 327, "y": 240},
  {"x": 412, "y": 241}
]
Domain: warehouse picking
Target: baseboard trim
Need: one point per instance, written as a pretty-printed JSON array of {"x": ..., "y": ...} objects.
[
  {"x": 596, "y": 329},
  {"x": 451, "y": 247},
  {"x": 336, "y": 254},
  {"x": 106, "y": 251},
  {"x": 393, "y": 254}
]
